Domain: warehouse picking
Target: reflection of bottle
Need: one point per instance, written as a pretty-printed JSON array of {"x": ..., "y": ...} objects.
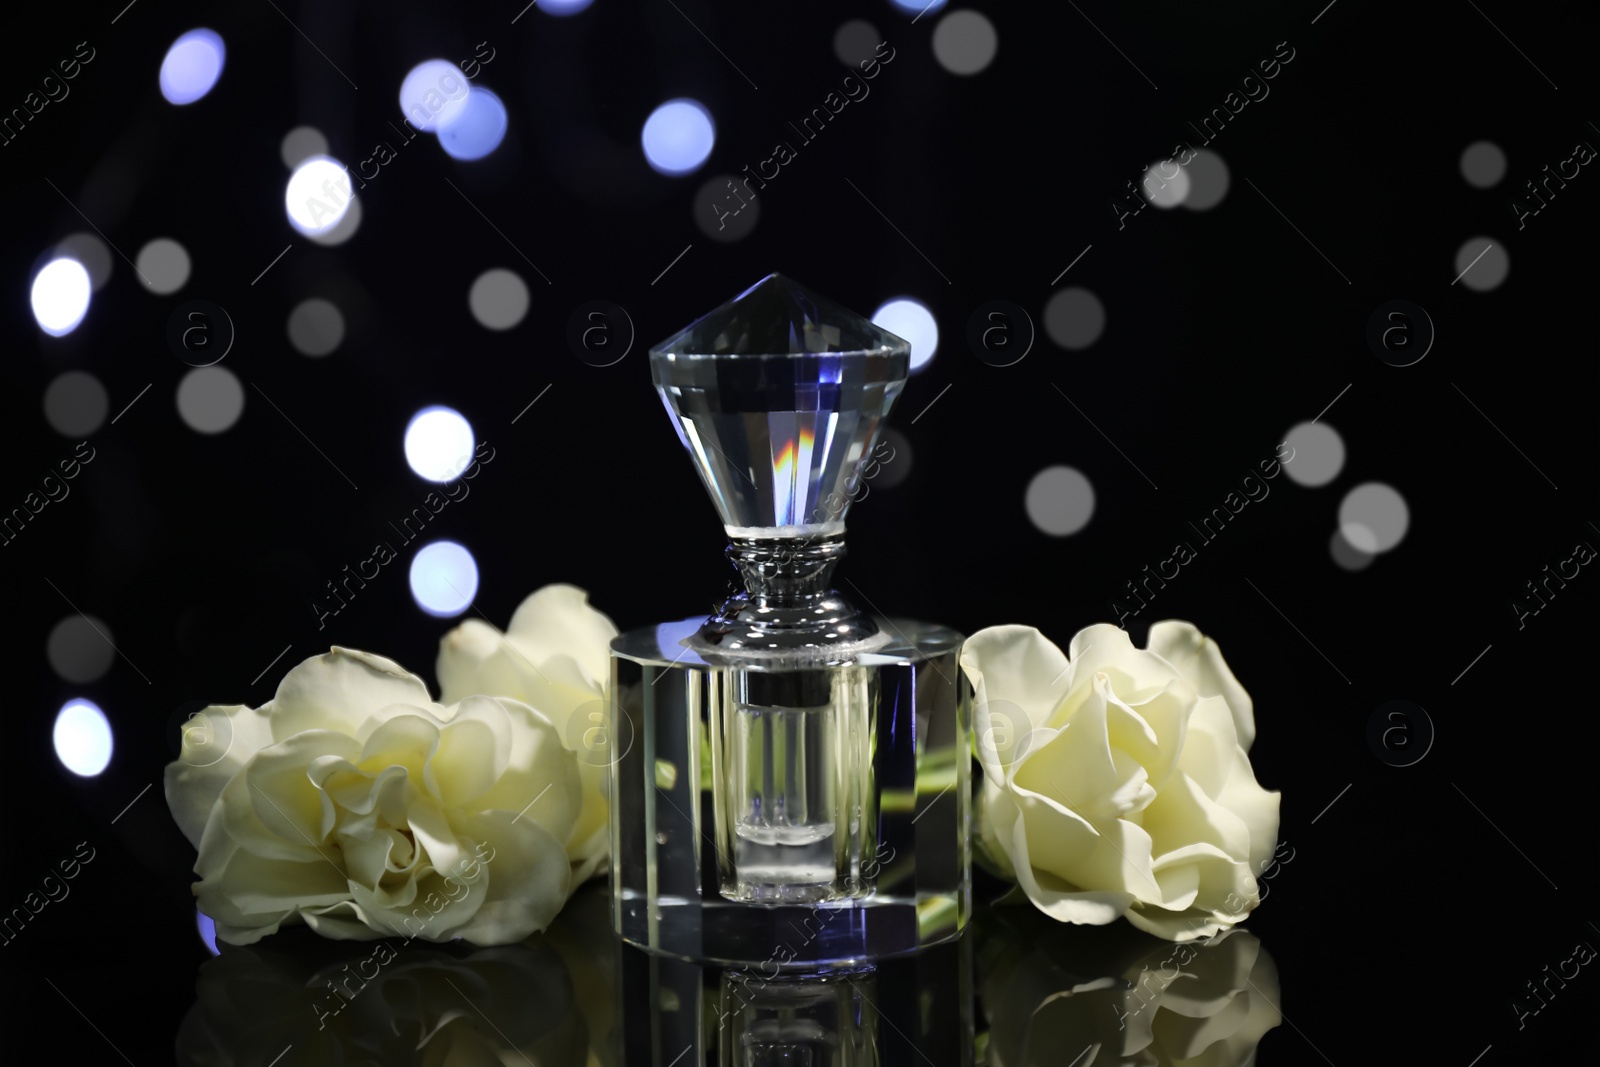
[
  {"x": 793, "y": 752},
  {"x": 826, "y": 1020},
  {"x": 911, "y": 1009}
]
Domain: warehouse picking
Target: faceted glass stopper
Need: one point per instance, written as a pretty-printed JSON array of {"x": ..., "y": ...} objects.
[{"x": 779, "y": 396}]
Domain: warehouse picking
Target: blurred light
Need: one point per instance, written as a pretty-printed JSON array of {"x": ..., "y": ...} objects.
[
  {"x": 964, "y": 42},
  {"x": 909, "y": 320},
  {"x": 1373, "y": 518},
  {"x": 498, "y": 299},
  {"x": 300, "y": 144},
  {"x": 83, "y": 738},
  {"x": 210, "y": 399},
  {"x": 1347, "y": 555},
  {"x": 79, "y": 648},
  {"x": 1208, "y": 181},
  {"x": 192, "y": 66},
  {"x": 917, "y": 7},
  {"x": 478, "y": 130},
  {"x": 726, "y": 209},
  {"x": 1482, "y": 264},
  {"x": 1074, "y": 318},
  {"x": 1059, "y": 501},
  {"x": 439, "y": 443},
  {"x": 444, "y": 578},
  {"x": 1483, "y": 164},
  {"x": 678, "y": 136},
  {"x": 316, "y": 327},
  {"x": 207, "y": 929},
  {"x": 90, "y": 251},
  {"x": 1165, "y": 191},
  {"x": 317, "y": 196},
  {"x": 1316, "y": 454},
  {"x": 433, "y": 95},
  {"x": 60, "y": 296},
  {"x": 342, "y": 230},
  {"x": 162, "y": 266},
  {"x": 75, "y": 404},
  {"x": 856, "y": 42},
  {"x": 563, "y": 8}
]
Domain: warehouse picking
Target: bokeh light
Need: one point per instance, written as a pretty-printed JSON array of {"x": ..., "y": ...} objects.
[
  {"x": 300, "y": 144},
  {"x": 433, "y": 95},
  {"x": 344, "y": 229},
  {"x": 60, "y": 296},
  {"x": 1163, "y": 190},
  {"x": 79, "y": 649},
  {"x": 498, "y": 299},
  {"x": 75, "y": 404},
  {"x": 678, "y": 136},
  {"x": 1316, "y": 456},
  {"x": 1074, "y": 318},
  {"x": 917, "y": 7},
  {"x": 90, "y": 251},
  {"x": 478, "y": 130},
  {"x": 1374, "y": 518},
  {"x": 444, "y": 578},
  {"x": 1059, "y": 501},
  {"x": 163, "y": 266},
  {"x": 563, "y": 8},
  {"x": 316, "y": 327},
  {"x": 1483, "y": 164},
  {"x": 1348, "y": 556},
  {"x": 965, "y": 42},
  {"x": 726, "y": 208},
  {"x": 192, "y": 66},
  {"x": 83, "y": 738},
  {"x": 318, "y": 195},
  {"x": 911, "y": 321},
  {"x": 439, "y": 443},
  {"x": 1208, "y": 181},
  {"x": 1482, "y": 264},
  {"x": 855, "y": 42},
  {"x": 210, "y": 399}
]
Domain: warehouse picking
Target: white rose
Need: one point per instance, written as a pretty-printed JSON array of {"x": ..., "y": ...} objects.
[
  {"x": 555, "y": 656},
  {"x": 1116, "y": 783},
  {"x": 353, "y": 803}
]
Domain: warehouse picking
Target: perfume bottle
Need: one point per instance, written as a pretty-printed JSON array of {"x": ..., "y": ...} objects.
[{"x": 789, "y": 778}]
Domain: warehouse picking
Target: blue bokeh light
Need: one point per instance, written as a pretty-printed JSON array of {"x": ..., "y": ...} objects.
[
  {"x": 444, "y": 578},
  {"x": 83, "y": 738},
  {"x": 433, "y": 95},
  {"x": 192, "y": 66},
  {"x": 478, "y": 130},
  {"x": 678, "y": 136},
  {"x": 909, "y": 319}
]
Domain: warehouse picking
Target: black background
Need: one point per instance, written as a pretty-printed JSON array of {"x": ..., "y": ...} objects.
[{"x": 1404, "y": 907}]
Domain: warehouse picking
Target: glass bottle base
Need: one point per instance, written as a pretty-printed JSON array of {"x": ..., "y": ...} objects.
[{"x": 789, "y": 813}]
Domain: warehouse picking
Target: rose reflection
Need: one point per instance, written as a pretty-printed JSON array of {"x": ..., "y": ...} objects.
[
  {"x": 1051, "y": 992},
  {"x": 547, "y": 1000}
]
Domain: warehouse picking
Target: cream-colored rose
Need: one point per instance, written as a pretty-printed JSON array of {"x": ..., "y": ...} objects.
[
  {"x": 1116, "y": 781},
  {"x": 355, "y": 804},
  {"x": 555, "y": 656}
]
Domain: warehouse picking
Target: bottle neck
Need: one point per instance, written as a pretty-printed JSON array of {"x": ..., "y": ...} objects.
[{"x": 787, "y": 602}]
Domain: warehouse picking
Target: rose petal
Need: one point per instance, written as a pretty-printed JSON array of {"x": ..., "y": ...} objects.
[
  {"x": 557, "y": 620},
  {"x": 341, "y": 691},
  {"x": 1199, "y": 659},
  {"x": 1014, "y": 670},
  {"x": 216, "y": 743}
]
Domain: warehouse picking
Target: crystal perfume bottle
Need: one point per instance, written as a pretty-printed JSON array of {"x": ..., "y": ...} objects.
[{"x": 789, "y": 778}]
